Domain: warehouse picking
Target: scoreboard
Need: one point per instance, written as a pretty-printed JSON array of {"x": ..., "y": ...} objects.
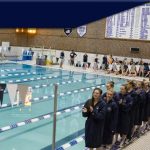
[{"x": 130, "y": 24}]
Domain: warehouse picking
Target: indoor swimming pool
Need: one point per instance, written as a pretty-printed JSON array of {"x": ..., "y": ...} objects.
[{"x": 32, "y": 130}]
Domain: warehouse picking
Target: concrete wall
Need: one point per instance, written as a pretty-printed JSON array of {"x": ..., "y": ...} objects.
[
  {"x": 9, "y": 35},
  {"x": 93, "y": 42}
]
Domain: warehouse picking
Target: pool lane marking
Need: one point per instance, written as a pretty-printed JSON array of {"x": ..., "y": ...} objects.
[
  {"x": 46, "y": 97},
  {"x": 41, "y": 117},
  {"x": 71, "y": 143},
  {"x": 30, "y": 79},
  {"x": 50, "y": 84}
]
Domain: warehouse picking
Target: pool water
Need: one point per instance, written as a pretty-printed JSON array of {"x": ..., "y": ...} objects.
[{"x": 74, "y": 88}]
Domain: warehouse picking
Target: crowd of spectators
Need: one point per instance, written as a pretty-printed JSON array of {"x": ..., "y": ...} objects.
[
  {"x": 125, "y": 67},
  {"x": 119, "y": 66}
]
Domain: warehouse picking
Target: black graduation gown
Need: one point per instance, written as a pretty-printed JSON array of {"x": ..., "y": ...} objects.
[
  {"x": 141, "y": 96},
  {"x": 94, "y": 124},
  {"x": 111, "y": 119},
  {"x": 148, "y": 97},
  {"x": 132, "y": 112},
  {"x": 134, "y": 109},
  {"x": 115, "y": 98},
  {"x": 124, "y": 113},
  {"x": 147, "y": 106},
  {"x": 136, "y": 105},
  {"x": 119, "y": 114}
]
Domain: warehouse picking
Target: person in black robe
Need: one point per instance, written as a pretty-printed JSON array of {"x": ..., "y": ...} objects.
[
  {"x": 124, "y": 104},
  {"x": 104, "y": 63},
  {"x": 62, "y": 56},
  {"x": 147, "y": 107},
  {"x": 141, "y": 100},
  {"x": 132, "y": 93},
  {"x": 111, "y": 119},
  {"x": 72, "y": 57},
  {"x": 110, "y": 86},
  {"x": 85, "y": 61},
  {"x": 94, "y": 109},
  {"x": 136, "y": 105},
  {"x": 148, "y": 97}
]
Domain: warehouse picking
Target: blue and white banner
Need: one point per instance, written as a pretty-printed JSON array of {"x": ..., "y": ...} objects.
[{"x": 81, "y": 30}]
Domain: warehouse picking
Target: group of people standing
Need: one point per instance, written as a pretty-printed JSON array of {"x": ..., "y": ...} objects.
[
  {"x": 72, "y": 58},
  {"x": 73, "y": 55},
  {"x": 117, "y": 118}
]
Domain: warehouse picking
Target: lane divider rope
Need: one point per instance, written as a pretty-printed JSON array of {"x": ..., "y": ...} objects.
[
  {"x": 71, "y": 143},
  {"x": 21, "y": 74},
  {"x": 51, "y": 84},
  {"x": 32, "y": 79},
  {"x": 29, "y": 79},
  {"x": 41, "y": 117},
  {"x": 17, "y": 69},
  {"x": 46, "y": 97}
]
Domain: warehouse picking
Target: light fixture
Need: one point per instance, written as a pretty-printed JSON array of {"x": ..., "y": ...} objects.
[
  {"x": 31, "y": 30},
  {"x": 17, "y": 30},
  {"x": 20, "y": 30},
  {"x": 26, "y": 30}
]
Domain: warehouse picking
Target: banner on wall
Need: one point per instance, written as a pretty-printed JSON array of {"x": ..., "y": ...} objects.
[
  {"x": 67, "y": 31},
  {"x": 81, "y": 30}
]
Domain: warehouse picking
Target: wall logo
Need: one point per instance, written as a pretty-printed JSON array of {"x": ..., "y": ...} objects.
[
  {"x": 81, "y": 30},
  {"x": 67, "y": 31}
]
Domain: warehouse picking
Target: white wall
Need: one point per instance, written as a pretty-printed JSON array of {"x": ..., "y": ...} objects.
[{"x": 52, "y": 53}]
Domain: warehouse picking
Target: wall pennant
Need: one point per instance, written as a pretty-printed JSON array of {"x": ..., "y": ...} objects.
[
  {"x": 81, "y": 30},
  {"x": 67, "y": 31}
]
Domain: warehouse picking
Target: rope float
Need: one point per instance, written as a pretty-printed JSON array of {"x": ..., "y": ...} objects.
[
  {"x": 50, "y": 84},
  {"x": 71, "y": 143},
  {"x": 30, "y": 79},
  {"x": 46, "y": 97},
  {"x": 41, "y": 117}
]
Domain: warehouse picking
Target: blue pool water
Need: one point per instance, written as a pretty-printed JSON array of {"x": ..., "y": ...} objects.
[{"x": 74, "y": 88}]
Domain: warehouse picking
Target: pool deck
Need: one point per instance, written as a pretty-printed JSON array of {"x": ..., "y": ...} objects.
[{"x": 88, "y": 70}]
